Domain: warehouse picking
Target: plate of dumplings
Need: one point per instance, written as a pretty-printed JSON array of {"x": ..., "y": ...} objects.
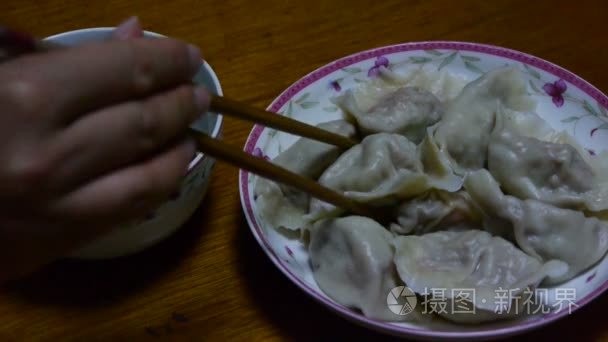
[{"x": 493, "y": 162}]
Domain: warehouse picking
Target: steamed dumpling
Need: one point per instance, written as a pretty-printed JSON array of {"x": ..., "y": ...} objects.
[
  {"x": 281, "y": 206},
  {"x": 383, "y": 169},
  {"x": 284, "y": 206},
  {"x": 542, "y": 230},
  {"x": 375, "y": 167},
  {"x": 352, "y": 262},
  {"x": 374, "y": 170},
  {"x": 472, "y": 259},
  {"x": 407, "y": 111},
  {"x": 309, "y": 157},
  {"x": 435, "y": 210},
  {"x": 529, "y": 168},
  {"x": 527, "y": 124},
  {"x": 436, "y": 164},
  {"x": 464, "y": 132},
  {"x": 595, "y": 200},
  {"x": 441, "y": 83},
  {"x": 535, "y": 162}
]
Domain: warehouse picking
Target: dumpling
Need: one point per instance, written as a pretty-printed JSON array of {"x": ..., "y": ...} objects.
[
  {"x": 309, "y": 157},
  {"x": 532, "y": 161},
  {"x": 284, "y": 206},
  {"x": 373, "y": 167},
  {"x": 435, "y": 210},
  {"x": 527, "y": 124},
  {"x": 448, "y": 261},
  {"x": 542, "y": 230},
  {"x": 352, "y": 262},
  {"x": 383, "y": 169},
  {"x": 532, "y": 169},
  {"x": 407, "y": 111},
  {"x": 464, "y": 132},
  {"x": 377, "y": 169},
  {"x": 441, "y": 83},
  {"x": 436, "y": 164},
  {"x": 596, "y": 199},
  {"x": 281, "y": 206}
]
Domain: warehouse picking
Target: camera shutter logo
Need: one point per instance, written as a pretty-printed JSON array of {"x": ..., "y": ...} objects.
[{"x": 401, "y": 300}]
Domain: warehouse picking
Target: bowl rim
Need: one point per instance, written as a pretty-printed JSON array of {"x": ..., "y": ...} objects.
[
  {"x": 356, "y": 57},
  {"x": 219, "y": 122}
]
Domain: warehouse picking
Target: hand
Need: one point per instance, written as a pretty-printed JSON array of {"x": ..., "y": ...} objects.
[{"x": 92, "y": 137}]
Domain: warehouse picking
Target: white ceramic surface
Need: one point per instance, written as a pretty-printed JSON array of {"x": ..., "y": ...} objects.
[
  {"x": 565, "y": 101},
  {"x": 174, "y": 213}
]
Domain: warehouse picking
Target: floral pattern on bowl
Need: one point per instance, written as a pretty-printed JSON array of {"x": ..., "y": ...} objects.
[{"x": 565, "y": 101}]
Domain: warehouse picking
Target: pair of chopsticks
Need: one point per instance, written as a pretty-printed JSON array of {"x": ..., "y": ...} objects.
[
  {"x": 13, "y": 44},
  {"x": 266, "y": 169}
]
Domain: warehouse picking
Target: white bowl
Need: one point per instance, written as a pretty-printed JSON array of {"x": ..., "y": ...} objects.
[
  {"x": 583, "y": 114},
  {"x": 174, "y": 213}
]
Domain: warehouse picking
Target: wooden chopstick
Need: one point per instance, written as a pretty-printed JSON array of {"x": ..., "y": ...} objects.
[
  {"x": 261, "y": 167},
  {"x": 242, "y": 111}
]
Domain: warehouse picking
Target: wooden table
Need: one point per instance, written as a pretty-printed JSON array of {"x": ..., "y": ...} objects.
[{"x": 211, "y": 281}]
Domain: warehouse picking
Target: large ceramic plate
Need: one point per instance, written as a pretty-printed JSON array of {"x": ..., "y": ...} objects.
[{"x": 565, "y": 101}]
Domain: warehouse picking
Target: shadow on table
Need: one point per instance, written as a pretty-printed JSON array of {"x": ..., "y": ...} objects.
[
  {"x": 299, "y": 317},
  {"x": 96, "y": 283}
]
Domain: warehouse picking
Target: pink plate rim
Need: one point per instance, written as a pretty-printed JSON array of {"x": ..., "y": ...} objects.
[{"x": 323, "y": 71}]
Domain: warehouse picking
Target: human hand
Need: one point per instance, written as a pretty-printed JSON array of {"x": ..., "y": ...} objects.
[{"x": 92, "y": 137}]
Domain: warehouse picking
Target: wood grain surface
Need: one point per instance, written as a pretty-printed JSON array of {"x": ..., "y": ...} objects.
[{"x": 211, "y": 281}]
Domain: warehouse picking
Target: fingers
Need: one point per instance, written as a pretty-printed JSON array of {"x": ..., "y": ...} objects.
[
  {"x": 128, "y": 29},
  {"x": 73, "y": 81},
  {"x": 123, "y": 134},
  {"x": 128, "y": 193}
]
